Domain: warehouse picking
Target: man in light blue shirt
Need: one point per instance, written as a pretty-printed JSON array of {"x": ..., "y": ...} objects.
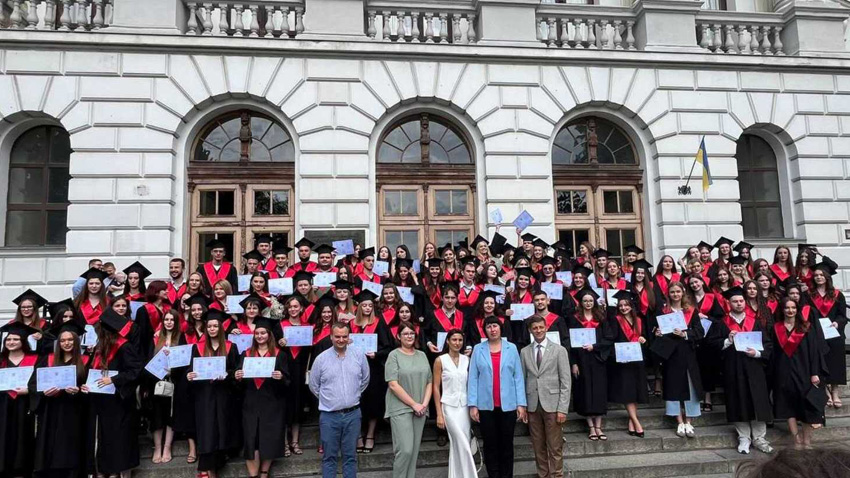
[
  {"x": 80, "y": 283},
  {"x": 337, "y": 378}
]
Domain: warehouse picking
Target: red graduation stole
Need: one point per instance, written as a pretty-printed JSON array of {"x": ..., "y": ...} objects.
[
  {"x": 550, "y": 319},
  {"x": 788, "y": 343},
  {"x": 213, "y": 276},
  {"x": 193, "y": 338},
  {"x": 155, "y": 315},
  {"x": 664, "y": 283},
  {"x": 468, "y": 300},
  {"x": 273, "y": 274},
  {"x": 436, "y": 298},
  {"x": 643, "y": 301},
  {"x": 366, "y": 329},
  {"x": 526, "y": 299},
  {"x": 806, "y": 311},
  {"x": 269, "y": 265},
  {"x": 590, "y": 324},
  {"x": 29, "y": 360},
  {"x": 286, "y": 323},
  {"x": 780, "y": 275},
  {"x": 451, "y": 276},
  {"x": 175, "y": 294},
  {"x": 707, "y": 303},
  {"x": 749, "y": 323},
  {"x": 447, "y": 324},
  {"x": 134, "y": 297},
  {"x": 91, "y": 314},
  {"x": 688, "y": 313},
  {"x": 621, "y": 284},
  {"x": 98, "y": 363},
  {"x": 51, "y": 359},
  {"x": 258, "y": 382},
  {"x": 326, "y": 331},
  {"x": 310, "y": 267},
  {"x": 244, "y": 328},
  {"x": 823, "y": 303},
  {"x": 806, "y": 278},
  {"x": 632, "y": 332},
  {"x": 388, "y": 315},
  {"x": 201, "y": 345},
  {"x": 772, "y": 304}
]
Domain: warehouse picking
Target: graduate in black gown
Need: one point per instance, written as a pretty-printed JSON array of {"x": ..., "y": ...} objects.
[
  {"x": 627, "y": 380},
  {"x": 161, "y": 411},
  {"x": 184, "y": 402},
  {"x": 521, "y": 293},
  {"x": 831, "y": 304},
  {"x": 709, "y": 309},
  {"x": 217, "y": 409},
  {"x": 745, "y": 374},
  {"x": 113, "y": 434},
  {"x": 17, "y": 424},
  {"x": 299, "y": 357},
  {"x": 264, "y": 403},
  {"x": 589, "y": 368},
  {"x": 61, "y": 413},
  {"x": 554, "y": 322},
  {"x": 487, "y": 307},
  {"x": 798, "y": 394},
  {"x": 442, "y": 319}
]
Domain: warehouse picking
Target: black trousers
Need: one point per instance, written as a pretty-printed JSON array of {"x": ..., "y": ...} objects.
[{"x": 497, "y": 428}]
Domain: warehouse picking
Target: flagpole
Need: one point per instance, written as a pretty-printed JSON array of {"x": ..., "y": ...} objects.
[{"x": 693, "y": 165}]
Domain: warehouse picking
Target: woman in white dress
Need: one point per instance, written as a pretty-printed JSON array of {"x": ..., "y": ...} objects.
[{"x": 451, "y": 370}]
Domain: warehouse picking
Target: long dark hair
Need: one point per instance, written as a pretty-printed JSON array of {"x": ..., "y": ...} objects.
[
  {"x": 76, "y": 355},
  {"x": 106, "y": 339},
  {"x": 800, "y": 325},
  {"x": 142, "y": 287},
  {"x": 221, "y": 341},
  {"x": 316, "y": 317},
  {"x": 173, "y": 335},
  {"x": 83, "y": 297},
  {"x": 272, "y": 346},
  {"x": 449, "y": 335},
  {"x": 25, "y": 348},
  {"x": 789, "y": 263}
]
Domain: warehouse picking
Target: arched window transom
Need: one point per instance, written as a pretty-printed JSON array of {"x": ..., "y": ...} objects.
[
  {"x": 244, "y": 136},
  {"x": 592, "y": 140},
  {"x": 423, "y": 139},
  {"x": 758, "y": 180}
]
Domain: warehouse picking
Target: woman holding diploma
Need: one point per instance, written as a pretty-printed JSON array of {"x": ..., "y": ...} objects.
[
  {"x": 264, "y": 403},
  {"x": 832, "y": 305},
  {"x": 252, "y": 305},
  {"x": 682, "y": 383},
  {"x": 520, "y": 293},
  {"x": 627, "y": 380},
  {"x": 17, "y": 425},
  {"x": 184, "y": 407},
  {"x": 707, "y": 306},
  {"x": 372, "y": 399},
  {"x": 216, "y": 400},
  {"x": 590, "y": 373},
  {"x": 149, "y": 316},
  {"x": 161, "y": 419},
  {"x": 113, "y": 438},
  {"x": 60, "y": 413},
  {"x": 798, "y": 394},
  {"x": 299, "y": 357}
]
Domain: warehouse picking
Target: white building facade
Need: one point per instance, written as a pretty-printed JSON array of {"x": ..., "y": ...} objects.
[{"x": 138, "y": 130}]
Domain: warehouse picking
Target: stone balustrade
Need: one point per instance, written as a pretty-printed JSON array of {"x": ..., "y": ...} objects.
[
  {"x": 62, "y": 15},
  {"x": 424, "y": 21},
  {"x": 586, "y": 27},
  {"x": 736, "y": 33},
  {"x": 251, "y": 18}
]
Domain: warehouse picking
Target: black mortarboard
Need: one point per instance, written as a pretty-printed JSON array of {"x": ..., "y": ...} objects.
[
  {"x": 326, "y": 300},
  {"x": 508, "y": 247},
  {"x": 540, "y": 243},
  {"x": 20, "y": 329},
  {"x": 434, "y": 262},
  {"x": 323, "y": 249},
  {"x": 642, "y": 264},
  {"x": 816, "y": 396},
  {"x": 789, "y": 282},
  {"x": 600, "y": 253},
  {"x": 580, "y": 269},
  {"x": 302, "y": 275},
  {"x": 216, "y": 244},
  {"x": 806, "y": 246},
  {"x": 450, "y": 285},
  {"x": 364, "y": 253},
  {"x": 214, "y": 314},
  {"x": 625, "y": 295},
  {"x": 470, "y": 259},
  {"x": 264, "y": 323},
  {"x": 663, "y": 347},
  {"x": 94, "y": 273},
  {"x": 57, "y": 309},
  {"x": 743, "y": 245},
  {"x": 365, "y": 295},
  {"x": 255, "y": 298},
  {"x": 113, "y": 321},
  {"x": 342, "y": 284},
  {"x": 524, "y": 271},
  {"x": 489, "y": 293},
  {"x": 633, "y": 248},
  {"x": 497, "y": 245},
  {"x": 300, "y": 298},
  {"x": 548, "y": 261},
  {"x": 139, "y": 268},
  {"x": 406, "y": 263},
  {"x": 733, "y": 291},
  {"x": 255, "y": 254},
  {"x": 464, "y": 243},
  {"x": 559, "y": 245},
  {"x": 587, "y": 291},
  {"x": 305, "y": 242},
  {"x": 738, "y": 260},
  {"x": 477, "y": 240},
  {"x": 825, "y": 267},
  {"x": 442, "y": 250},
  {"x": 705, "y": 245},
  {"x": 33, "y": 296},
  {"x": 198, "y": 298},
  {"x": 75, "y": 326},
  {"x": 520, "y": 255},
  {"x": 528, "y": 237},
  {"x": 280, "y": 248},
  {"x": 723, "y": 240},
  {"x": 262, "y": 239}
]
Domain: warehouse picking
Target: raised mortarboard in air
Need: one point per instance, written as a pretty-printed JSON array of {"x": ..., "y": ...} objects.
[
  {"x": 528, "y": 237},
  {"x": 478, "y": 239},
  {"x": 342, "y": 284},
  {"x": 580, "y": 269},
  {"x": 803, "y": 247},
  {"x": 214, "y": 314},
  {"x": 255, "y": 254},
  {"x": 739, "y": 247},
  {"x": 442, "y": 250},
  {"x": 264, "y": 323},
  {"x": 216, "y": 243},
  {"x": 600, "y": 253},
  {"x": 406, "y": 263},
  {"x": 626, "y": 295},
  {"x": 94, "y": 273},
  {"x": 20, "y": 329},
  {"x": 253, "y": 298},
  {"x": 737, "y": 260},
  {"x": 733, "y": 291},
  {"x": 704, "y": 245},
  {"x": 367, "y": 252},
  {"x": 507, "y": 247},
  {"x": 434, "y": 262},
  {"x": 587, "y": 291},
  {"x": 633, "y": 249},
  {"x": 826, "y": 267},
  {"x": 723, "y": 240},
  {"x": 138, "y": 268},
  {"x": 548, "y": 261},
  {"x": 38, "y": 300},
  {"x": 75, "y": 326},
  {"x": 280, "y": 248},
  {"x": 323, "y": 249},
  {"x": 302, "y": 275},
  {"x": 642, "y": 264},
  {"x": 524, "y": 271},
  {"x": 262, "y": 239},
  {"x": 199, "y": 299},
  {"x": 365, "y": 295},
  {"x": 304, "y": 242},
  {"x": 113, "y": 321},
  {"x": 57, "y": 309},
  {"x": 497, "y": 245},
  {"x": 470, "y": 259}
]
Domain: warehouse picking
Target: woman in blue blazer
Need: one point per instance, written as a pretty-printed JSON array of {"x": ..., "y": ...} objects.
[{"x": 496, "y": 400}]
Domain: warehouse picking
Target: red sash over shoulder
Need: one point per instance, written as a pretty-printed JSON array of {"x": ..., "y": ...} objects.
[
  {"x": 707, "y": 303},
  {"x": 98, "y": 363},
  {"x": 175, "y": 294},
  {"x": 91, "y": 314},
  {"x": 29, "y": 360},
  {"x": 202, "y": 346},
  {"x": 550, "y": 319},
  {"x": 749, "y": 323},
  {"x": 632, "y": 332},
  {"x": 442, "y": 318},
  {"x": 664, "y": 283},
  {"x": 823, "y": 303},
  {"x": 589, "y": 324},
  {"x": 258, "y": 382},
  {"x": 213, "y": 276},
  {"x": 325, "y": 332},
  {"x": 789, "y": 343},
  {"x": 468, "y": 299},
  {"x": 779, "y": 273},
  {"x": 294, "y": 351},
  {"x": 368, "y": 329},
  {"x": 310, "y": 267}
]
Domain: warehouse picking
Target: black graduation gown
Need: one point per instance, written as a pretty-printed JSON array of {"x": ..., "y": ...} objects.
[
  {"x": 791, "y": 377},
  {"x": 590, "y": 389},
  {"x": 474, "y": 332},
  {"x": 183, "y": 415},
  {"x": 297, "y": 393},
  {"x": 17, "y": 426},
  {"x": 373, "y": 399},
  {"x": 146, "y": 329},
  {"x": 651, "y": 361},
  {"x": 264, "y": 412},
  {"x": 519, "y": 330},
  {"x": 114, "y": 420},
  {"x": 626, "y": 381},
  {"x": 231, "y": 275},
  {"x": 745, "y": 386},
  {"x": 160, "y": 410},
  {"x": 708, "y": 354},
  {"x": 218, "y": 421},
  {"x": 835, "y": 311},
  {"x": 60, "y": 438},
  {"x": 679, "y": 361},
  {"x": 433, "y": 326}
]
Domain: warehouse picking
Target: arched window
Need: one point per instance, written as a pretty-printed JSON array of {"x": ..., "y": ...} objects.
[
  {"x": 241, "y": 181},
  {"x": 37, "y": 201},
  {"x": 758, "y": 181},
  {"x": 426, "y": 179},
  {"x": 598, "y": 186}
]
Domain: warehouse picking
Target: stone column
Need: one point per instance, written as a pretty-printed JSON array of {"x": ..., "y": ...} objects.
[{"x": 812, "y": 28}]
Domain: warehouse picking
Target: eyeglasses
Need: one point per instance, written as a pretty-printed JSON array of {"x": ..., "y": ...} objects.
[{"x": 408, "y": 334}]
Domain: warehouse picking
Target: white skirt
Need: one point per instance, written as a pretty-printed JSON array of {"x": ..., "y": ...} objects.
[{"x": 461, "y": 462}]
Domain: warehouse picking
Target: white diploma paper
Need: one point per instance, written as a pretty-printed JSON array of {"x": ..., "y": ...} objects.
[
  {"x": 14, "y": 378},
  {"x": 94, "y": 376},
  {"x": 324, "y": 279},
  {"x": 242, "y": 341},
  {"x": 258, "y": 367},
  {"x": 244, "y": 282},
  {"x": 829, "y": 332},
  {"x": 522, "y": 311},
  {"x": 209, "y": 368},
  {"x": 281, "y": 286},
  {"x": 748, "y": 340},
  {"x": 669, "y": 322},
  {"x": 565, "y": 276},
  {"x": 298, "y": 336},
  {"x": 496, "y": 216},
  {"x": 380, "y": 268},
  {"x": 158, "y": 366},
  {"x": 134, "y": 308},
  {"x": 554, "y": 290},
  {"x": 344, "y": 248},
  {"x": 232, "y": 304},
  {"x": 581, "y": 337},
  {"x": 180, "y": 356},
  {"x": 366, "y": 343},
  {"x": 405, "y": 294},
  {"x": 628, "y": 352},
  {"x": 376, "y": 288},
  {"x": 60, "y": 377}
]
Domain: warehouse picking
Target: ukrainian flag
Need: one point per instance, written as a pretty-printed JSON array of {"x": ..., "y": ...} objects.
[{"x": 702, "y": 158}]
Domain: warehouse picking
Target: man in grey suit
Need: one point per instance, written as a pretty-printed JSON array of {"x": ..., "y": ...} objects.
[{"x": 546, "y": 369}]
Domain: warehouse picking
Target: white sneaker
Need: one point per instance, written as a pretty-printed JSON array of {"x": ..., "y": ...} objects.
[
  {"x": 689, "y": 430},
  {"x": 744, "y": 446},
  {"x": 763, "y": 446},
  {"x": 681, "y": 430}
]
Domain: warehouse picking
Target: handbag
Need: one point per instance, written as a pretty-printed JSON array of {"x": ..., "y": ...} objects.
[
  {"x": 307, "y": 372},
  {"x": 163, "y": 388}
]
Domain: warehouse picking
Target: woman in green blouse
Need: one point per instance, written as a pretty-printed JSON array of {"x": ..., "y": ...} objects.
[{"x": 408, "y": 376}]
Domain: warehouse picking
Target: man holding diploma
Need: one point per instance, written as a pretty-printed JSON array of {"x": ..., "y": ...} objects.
[{"x": 745, "y": 382}]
